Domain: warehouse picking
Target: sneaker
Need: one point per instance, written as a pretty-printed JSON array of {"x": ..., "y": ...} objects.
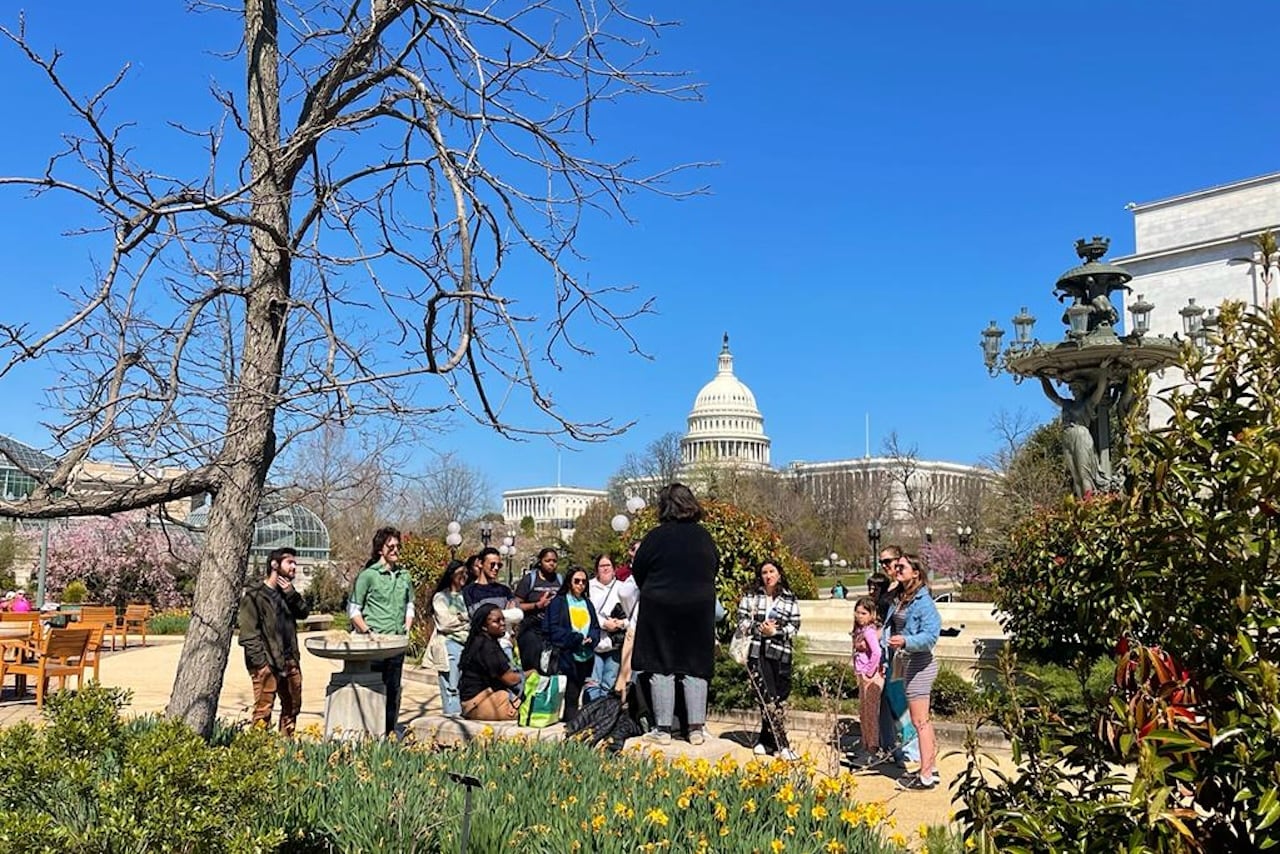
[
  {"x": 914, "y": 783},
  {"x": 872, "y": 759},
  {"x": 658, "y": 736},
  {"x": 697, "y": 736},
  {"x": 760, "y": 750},
  {"x": 788, "y": 755}
]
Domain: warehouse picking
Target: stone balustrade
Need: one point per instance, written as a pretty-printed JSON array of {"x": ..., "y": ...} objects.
[{"x": 826, "y": 625}]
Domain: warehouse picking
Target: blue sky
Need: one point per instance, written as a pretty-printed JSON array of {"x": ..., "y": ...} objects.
[{"x": 890, "y": 177}]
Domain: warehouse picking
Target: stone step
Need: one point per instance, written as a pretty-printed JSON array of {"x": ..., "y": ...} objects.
[{"x": 443, "y": 730}]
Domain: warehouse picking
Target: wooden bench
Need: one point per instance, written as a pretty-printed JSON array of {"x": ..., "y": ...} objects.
[
  {"x": 316, "y": 623},
  {"x": 103, "y": 615}
]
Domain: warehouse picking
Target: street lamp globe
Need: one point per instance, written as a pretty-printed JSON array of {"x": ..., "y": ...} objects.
[
  {"x": 454, "y": 528},
  {"x": 635, "y": 504},
  {"x": 620, "y": 523}
]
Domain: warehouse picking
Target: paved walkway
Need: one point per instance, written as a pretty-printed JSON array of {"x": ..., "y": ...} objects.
[{"x": 149, "y": 671}]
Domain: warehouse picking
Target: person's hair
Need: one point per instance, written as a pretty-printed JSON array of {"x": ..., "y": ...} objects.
[
  {"x": 866, "y": 603},
  {"x": 920, "y": 582},
  {"x": 380, "y": 538},
  {"x": 676, "y": 503},
  {"x": 473, "y": 567},
  {"x": 445, "y": 581},
  {"x": 566, "y": 586},
  {"x": 486, "y": 551},
  {"x": 782, "y": 575},
  {"x": 894, "y": 551},
  {"x": 476, "y": 636},
  {"x": 595, "y": 561},
  {"x": 277, "y": 555},
  {"x": 544, "y": 552},
  {"x": 878, "y": 579}
]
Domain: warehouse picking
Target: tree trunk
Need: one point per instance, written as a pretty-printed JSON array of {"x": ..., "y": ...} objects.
[{"x": 249, "y": 446}]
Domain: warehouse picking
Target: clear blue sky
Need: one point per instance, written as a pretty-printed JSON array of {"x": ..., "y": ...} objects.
[{"x": 890, "y": 178}]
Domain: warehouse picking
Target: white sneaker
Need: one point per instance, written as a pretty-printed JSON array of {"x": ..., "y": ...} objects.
[
  {"x": 697, "y": 736},
  {"x": 760, "y": 750},
  {"x": 657, "y": 736},
  {"x": 788, "y": 755}
]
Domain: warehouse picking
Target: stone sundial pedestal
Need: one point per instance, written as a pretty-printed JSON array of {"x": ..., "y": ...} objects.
[{"x": 355, "y": 704}]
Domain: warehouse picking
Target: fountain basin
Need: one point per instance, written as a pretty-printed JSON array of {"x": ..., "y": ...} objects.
[{"x": 355, "y": 703}]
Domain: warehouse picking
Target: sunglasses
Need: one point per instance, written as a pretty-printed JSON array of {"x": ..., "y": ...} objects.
[
  {"x": 577, "y": 581},
  {"x": 887, "y": 561}
]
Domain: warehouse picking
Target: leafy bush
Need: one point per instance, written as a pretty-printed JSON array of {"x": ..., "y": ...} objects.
[
  {"x": 91, "y": 784},
  {"x": 74, "y": 593},
  {"x": 952, "y": 694},
  {"x": 175, "y": 621},
  {"x": 327, "y": 592},
  {"x": 729, "y": 688},
  {"x": 1177, "y": 577},
  {"x": 828, "y": 680}
]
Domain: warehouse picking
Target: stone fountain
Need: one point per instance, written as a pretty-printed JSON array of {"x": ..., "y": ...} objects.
[{"x": 355, "y": 703}]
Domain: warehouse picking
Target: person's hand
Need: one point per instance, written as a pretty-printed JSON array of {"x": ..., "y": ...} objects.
[
  {"x": 587, "y": 641},
  {"x": 544, "y": 601},
  {"x": 768, "y": 628},
  {"x": 897, "y": 641},
  {"x": 285, "y": 585}
]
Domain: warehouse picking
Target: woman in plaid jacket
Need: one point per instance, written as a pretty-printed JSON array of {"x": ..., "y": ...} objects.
[{"x": 771, "y": 613}]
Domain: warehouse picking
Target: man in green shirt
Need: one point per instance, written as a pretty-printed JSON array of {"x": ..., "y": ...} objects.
[{"x": 382, "y": 602}]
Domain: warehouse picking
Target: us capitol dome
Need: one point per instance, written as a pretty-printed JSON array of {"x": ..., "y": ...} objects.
[{"x": 725, "y": 425}]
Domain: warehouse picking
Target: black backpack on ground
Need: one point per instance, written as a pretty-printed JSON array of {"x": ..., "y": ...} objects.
[{"x": 603, "y": 721}]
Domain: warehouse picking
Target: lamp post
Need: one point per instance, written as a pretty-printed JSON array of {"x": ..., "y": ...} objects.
[
  {"x": 873, "y": 537},
  {"x": 508, "y": 552},
  {"x": 928, "y": 535},
  {"x": 1093, "y": 361},
  {"x": 834, "y": 561},
  {"x": 453, "y": 538},
  {"x": 486, "y": 532},
  {"x": 964, "y": 536}
]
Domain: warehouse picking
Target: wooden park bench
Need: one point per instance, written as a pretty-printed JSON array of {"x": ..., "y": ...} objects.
[
  {"x": 316, "y": 623},
  {"x": 103, "y": 615}
]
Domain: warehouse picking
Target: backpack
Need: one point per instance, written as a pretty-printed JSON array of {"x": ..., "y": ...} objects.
[{"x": 603, "y": 721}]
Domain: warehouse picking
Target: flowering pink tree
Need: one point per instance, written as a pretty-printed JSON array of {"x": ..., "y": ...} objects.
[
  {"x": 121, "y": 559},
  {"x": 963, "y": 566}
]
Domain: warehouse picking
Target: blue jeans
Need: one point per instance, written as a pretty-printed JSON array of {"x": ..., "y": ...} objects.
[
  {"x": 603, "y": 674},
  {"x": 450, "y": 702}
]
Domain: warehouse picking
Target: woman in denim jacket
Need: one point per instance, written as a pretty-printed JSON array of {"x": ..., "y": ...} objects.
[{"x": 912, "y": 627}]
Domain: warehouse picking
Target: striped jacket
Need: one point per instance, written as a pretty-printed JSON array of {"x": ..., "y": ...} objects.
[{"x": 753, "y": 610}]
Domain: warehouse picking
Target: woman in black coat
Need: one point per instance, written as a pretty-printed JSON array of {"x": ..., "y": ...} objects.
[{"x": 675, "y": 569}]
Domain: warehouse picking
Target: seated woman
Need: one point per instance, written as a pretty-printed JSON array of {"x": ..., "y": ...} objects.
[
  {"x": 487, "y": 684},
  {"x": 573, "y": 627}
]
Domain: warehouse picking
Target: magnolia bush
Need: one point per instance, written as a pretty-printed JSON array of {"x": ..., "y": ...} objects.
[{"x": 121, "y": 559}]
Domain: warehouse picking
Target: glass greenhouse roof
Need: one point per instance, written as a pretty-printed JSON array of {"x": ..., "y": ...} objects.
[
  {"x": 292, "y": 526},
  {"x": 14, "y": 481}
]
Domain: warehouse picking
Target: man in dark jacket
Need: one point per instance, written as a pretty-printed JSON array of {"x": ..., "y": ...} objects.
[{"x": 269, "y": 635}]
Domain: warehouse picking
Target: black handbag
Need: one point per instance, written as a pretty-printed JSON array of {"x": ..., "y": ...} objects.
[{"x": 618, "y": 636}]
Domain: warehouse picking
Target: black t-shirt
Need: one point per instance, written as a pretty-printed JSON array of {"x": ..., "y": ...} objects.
[
  {"x": 483, "y": 669},
  {"x": 477, "y": 594},
  {"x": 530, "y": 589}
]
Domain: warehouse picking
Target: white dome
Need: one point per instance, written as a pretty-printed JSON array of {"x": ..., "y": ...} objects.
[{"x": 725, "y": 425}]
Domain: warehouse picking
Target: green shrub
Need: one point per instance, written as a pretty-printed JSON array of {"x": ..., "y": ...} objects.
[
  {"x": 327, "y": 592},
  {"x": 729, "y": 688},
  {"x": 829, "y": 680},
  {"x": 171, "y": 622},
  {"x": 74, "y": 593},
  {"x": 952, "y": 694}
]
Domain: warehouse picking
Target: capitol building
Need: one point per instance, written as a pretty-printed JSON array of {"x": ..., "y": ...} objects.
[{"x": 725, "y": 430}]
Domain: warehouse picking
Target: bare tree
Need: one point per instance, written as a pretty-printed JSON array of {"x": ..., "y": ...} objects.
[
  {"x": 449, "y": 489},
  {"x": 365, "y": 184},
  {"x": 653, "y": 467}
]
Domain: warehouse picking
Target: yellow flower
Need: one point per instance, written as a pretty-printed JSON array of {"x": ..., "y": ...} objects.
[
  {"x": 683, "y": 802},
  {"x": 789, "y": 830},
  {"x": 657, "y": 816},
  {"x": 819, "y": 812},
  {"x": 793, "y": 810},
  {"x": 575, "y": 845},
  {"x": 898, "y": 839},
  {"x": 835, "y": 846},
  {"x": 786, "y": 794},
  {"x": 970, "y": 844},
  {"x": 597, "y": 822},
  {"x": 777, "y": 846},
  {"x": 750, "y": 806},
  {"x": 721, "y": 814}
]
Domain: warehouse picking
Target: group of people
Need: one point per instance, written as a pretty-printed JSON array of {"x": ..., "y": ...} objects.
[
  {"x": 646, "y": 630},
  {"x": 896, "y": 627},
  {"x": 16, "y": 601}
]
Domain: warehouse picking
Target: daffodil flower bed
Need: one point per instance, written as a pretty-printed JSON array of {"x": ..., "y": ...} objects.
[{"x": 565, "y": 797}]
